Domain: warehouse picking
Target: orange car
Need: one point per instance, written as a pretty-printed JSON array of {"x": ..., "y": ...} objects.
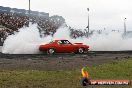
[{"x": 63, "y": 46}]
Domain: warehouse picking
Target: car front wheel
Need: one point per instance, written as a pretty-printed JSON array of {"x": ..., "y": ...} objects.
[
  {"x": 50, "y": 51},
  {"x": 80, "y": 50}
]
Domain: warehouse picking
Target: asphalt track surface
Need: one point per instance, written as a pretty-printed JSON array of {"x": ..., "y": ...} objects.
[{"x": 60, "y": 61}]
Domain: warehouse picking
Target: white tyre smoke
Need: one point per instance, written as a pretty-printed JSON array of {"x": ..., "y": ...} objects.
[{"x": 27, "y": 41}]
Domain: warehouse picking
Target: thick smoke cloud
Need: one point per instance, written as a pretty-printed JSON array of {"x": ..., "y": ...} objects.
[{"x": 27, "y": 41}]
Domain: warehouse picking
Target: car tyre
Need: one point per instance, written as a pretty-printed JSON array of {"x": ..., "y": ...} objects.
[
  {"x": 50, "y": 51},
  {"x": 80, "y": 50}
]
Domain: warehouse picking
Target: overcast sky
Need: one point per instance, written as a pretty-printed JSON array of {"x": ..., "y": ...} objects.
[{"x": 107, "y": 14}]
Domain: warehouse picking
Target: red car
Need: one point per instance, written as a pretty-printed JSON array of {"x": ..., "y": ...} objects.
[{"x": 63, "y": 46}]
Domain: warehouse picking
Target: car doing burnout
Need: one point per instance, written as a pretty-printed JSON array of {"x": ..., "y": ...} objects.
[{"x": 63, "y": 46}]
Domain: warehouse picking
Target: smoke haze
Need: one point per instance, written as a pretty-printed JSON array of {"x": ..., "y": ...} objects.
[{"x": 28, "y": 39}]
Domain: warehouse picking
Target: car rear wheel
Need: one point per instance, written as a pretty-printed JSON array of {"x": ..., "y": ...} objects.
[
  {"x": 50, "y": 51},
  {"x": 80, "y": 50}
]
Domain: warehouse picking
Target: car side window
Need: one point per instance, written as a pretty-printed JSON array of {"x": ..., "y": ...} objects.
[
  {"x": 68, "y": 42},
  {"x": 51, "y": 41},
  {"x": 59, "y": 42},
  {"x": 64, "y": 42}
]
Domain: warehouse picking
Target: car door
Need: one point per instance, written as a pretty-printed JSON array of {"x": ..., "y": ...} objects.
[
  {"x": 67, "y": 46},
  {"x": 60, "y": 47},
  {"x": 64, "y": 47}
]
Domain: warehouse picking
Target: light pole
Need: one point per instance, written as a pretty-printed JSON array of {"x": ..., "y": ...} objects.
[
  {"x": 125, "y": 26},
  {"x": 29, "y": 11},
  {"x": 88, "y": 23}
]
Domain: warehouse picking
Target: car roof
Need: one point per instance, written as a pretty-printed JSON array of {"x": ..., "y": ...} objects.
[{"x": 61, "y": 40}]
